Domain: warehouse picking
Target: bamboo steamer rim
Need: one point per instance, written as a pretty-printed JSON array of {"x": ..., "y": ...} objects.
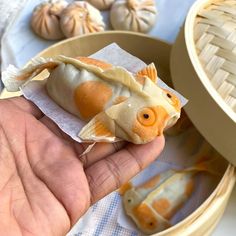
[
  {"x": 190, "y": 44},
  {"x": 107, "y": 32}
]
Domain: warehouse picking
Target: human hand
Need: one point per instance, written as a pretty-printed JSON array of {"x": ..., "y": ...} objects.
[{"x": 45, "y": 186}]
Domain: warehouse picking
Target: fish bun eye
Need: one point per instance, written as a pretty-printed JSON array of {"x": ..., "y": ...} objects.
[
  {"x": 167, "y": 94},
  {"x": 147, "y": 117},
  {"x": 151, "y": 225},
  {"x": 171, "y": 98}
]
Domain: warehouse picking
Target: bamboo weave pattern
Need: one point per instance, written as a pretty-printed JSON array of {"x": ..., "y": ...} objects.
[{"x": 215, "y": 39}]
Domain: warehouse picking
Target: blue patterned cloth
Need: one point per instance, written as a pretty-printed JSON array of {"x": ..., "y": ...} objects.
[{"x": 105, "y": 223}]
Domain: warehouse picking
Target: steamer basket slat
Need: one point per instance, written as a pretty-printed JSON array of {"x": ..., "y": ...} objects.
[{"x": 219, "y": 60}]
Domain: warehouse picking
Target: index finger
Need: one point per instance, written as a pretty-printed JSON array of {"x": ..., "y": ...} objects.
[
  {"x": 110, "y": 173},
  {"x": 25, "y": 105}
]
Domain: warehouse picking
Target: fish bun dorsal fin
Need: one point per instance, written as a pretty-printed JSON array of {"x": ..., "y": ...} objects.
[
  {"x": 114, "y": 74},
  {"x": 150, "y": 71},
  {"x": 91, "y": 61}
]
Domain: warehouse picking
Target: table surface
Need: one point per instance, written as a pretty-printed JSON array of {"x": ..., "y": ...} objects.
[{"x": 226, "y": 226}]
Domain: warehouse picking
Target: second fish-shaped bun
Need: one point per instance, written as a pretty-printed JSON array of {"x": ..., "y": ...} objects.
[
  {"x": 80, "y": 18},
  {"x": 133, "y": 15}
]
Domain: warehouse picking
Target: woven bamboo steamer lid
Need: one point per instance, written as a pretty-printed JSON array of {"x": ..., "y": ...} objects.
[
  {"x": 203, "y": 68},
  {"x": 204, "y": 219}
]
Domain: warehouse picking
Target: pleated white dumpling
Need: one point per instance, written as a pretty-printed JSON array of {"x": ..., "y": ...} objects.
[
  {"x": 133, "y": 15},
  {"x": 45, "y": 20},
  {"x": 81, "y": 18},
  {"x": 101, "y": 4}
]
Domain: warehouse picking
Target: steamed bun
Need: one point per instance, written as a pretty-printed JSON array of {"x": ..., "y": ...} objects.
[
  {"x": 45, "y": 20},
  {"x": 133, "y": 15},
  {"x": 81, "y": 18},
  {"x": 101, "y": 4}
]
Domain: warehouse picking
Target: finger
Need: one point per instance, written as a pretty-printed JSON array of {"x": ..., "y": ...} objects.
[
  {"x": 98, "y": 152},
  {"x": 51, "y": 125},
  {"x": 61, "y": 171},
  {"x": 79, "y": 148},
  {"x": 25, "y": 105},
  {"x": 110, "y": 173}
]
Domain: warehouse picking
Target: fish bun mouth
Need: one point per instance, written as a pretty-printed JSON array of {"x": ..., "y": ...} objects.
[{"x": 172, "y": 121}]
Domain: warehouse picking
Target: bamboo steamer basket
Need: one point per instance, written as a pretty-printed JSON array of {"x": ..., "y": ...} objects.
[
  {"x": 206, "y": 72},
  {"x": 204, "y": 219}
]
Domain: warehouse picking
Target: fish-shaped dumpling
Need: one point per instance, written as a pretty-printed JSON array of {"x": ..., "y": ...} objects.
[
  {"x": 116, "y": 103},
  {"x": 152, "y": 204}
]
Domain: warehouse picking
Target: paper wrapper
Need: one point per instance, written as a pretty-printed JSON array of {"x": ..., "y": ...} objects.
[{"x": 68, "y": 123}]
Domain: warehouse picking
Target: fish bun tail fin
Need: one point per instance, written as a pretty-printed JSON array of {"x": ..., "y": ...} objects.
[
  {"x": 213, "y": 165},
  {"x": 9, "y": 79},
  {"x": 13, "y": 78}
]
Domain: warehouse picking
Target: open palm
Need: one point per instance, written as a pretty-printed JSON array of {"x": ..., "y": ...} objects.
[{"x": 45, "y": 183}]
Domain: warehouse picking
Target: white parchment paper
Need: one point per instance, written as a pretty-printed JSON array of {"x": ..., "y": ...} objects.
[{"x": 68, "y": 123}]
